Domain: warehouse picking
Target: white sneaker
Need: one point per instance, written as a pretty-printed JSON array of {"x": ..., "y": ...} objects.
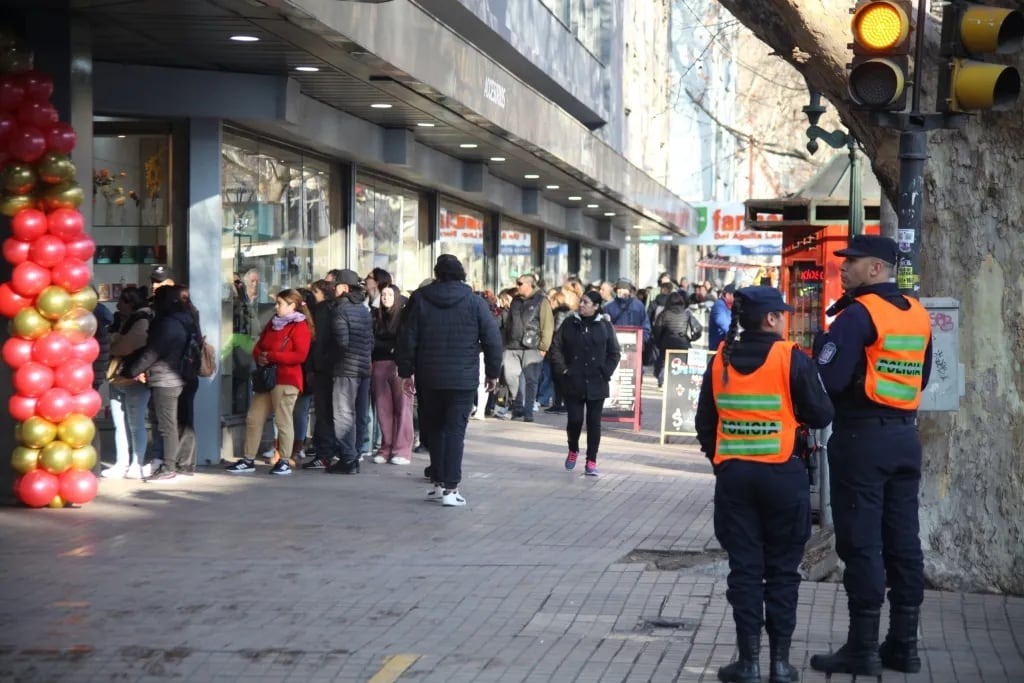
[
  {"x": 435, "y": 493},
  {"x": 114, "y": 472},
  {"x": 479, "y": 415},
  {"x": 451, "y": 498},
  {"x": 399, "y": 460},
  {"x": 379, "y": 459},
  {"x": 147, "y": 469},
  {"x": 134, "y": 471}
]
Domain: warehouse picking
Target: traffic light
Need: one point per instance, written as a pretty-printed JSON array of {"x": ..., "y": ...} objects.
[
  {"x": 881, "y": 46},
  {"x": 971, "y": 31}
]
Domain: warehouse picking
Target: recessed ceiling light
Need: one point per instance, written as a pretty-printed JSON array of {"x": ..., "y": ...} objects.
[
  {"x": 424, "y": 124},
  {"x": 531, "y": 176},
  {"x": 245, "y": 39},
  {"x": 574, "y": 198},
  {"x": 591, "y": 206},
  {"x": 609, "y": 213},
  {"x": 468, "y": 145},
  {"x": 638, "y": 227},
  {"x": 122, "y": 137},
  {"x": 380, "y": 105},
  {"x": 309, "y": 69},
  {"x": 497, "y": 158},
  {"x": 551, "y": 187}
]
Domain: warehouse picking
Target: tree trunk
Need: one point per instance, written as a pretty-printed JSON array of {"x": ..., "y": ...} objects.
[{"x": 972, "y": 493}]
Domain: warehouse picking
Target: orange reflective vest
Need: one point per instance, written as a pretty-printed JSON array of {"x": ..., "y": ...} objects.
[
  {"x": 755, "y": 412},
  {"x": 895, "y": 362}
]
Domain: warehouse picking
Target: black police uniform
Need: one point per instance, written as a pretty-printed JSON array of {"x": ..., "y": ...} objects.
[
  {"x": 874, "y": 460},
  {"x": 762, "y": 511}
]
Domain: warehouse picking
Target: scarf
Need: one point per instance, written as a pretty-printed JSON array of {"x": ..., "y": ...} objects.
[{"x": 279, "y": 322}]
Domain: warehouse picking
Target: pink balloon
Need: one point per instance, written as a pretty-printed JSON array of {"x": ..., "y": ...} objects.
[
  {"x": 88, "y": 350},
  {"x": 82, "y": 248},
  {"x": 12, "y": 92},
  {"x": 74, "y": 375},
  {"x": 21, "y": 407},
  {"x": 52, "y": 349},
  {"x": 15, "y": 251},
  {"x": 17, "y": 351},
  {"x": 11, "y": 302},
  {"x": 39, "y": 115},
  {"x": 38, "y": 85},
  {"x": 33, "y": 379},
  {"x": 26, "y": 144},
  {"x": 37, "y": 488},
  {"x": 47, "y": 251},
  {"x": 61, "y": 137},
  {"x": 72, "y": 274},
  {"x": 55, "y": 404},
  {"x": 28, "y": 279},
  {"x": 66, "y": 224},
  {"x": 87, "y": 403},
  {"x": 78, "y": 486},
  {"x": 29, "y": 224}
]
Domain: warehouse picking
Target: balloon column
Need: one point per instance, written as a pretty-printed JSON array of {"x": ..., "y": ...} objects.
[{"x": 51, "y": 346}]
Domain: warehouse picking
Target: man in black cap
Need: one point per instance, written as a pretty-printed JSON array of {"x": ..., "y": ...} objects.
[
  {"x": 161, "y": 277},
  {"x": 756, "y": 394},
  {"x": 875, "y": 360}
]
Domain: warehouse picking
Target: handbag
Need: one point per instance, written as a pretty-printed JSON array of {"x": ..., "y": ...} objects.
[
  {"x": 207, "y": 360},
  {"x": 264, "y": 377}
]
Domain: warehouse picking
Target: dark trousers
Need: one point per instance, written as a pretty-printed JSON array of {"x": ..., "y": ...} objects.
[
  {"x": 364, "y": 418},
  {"x": 444, "y": 414},
  {"x": 575, "y": 408},
  {"x": 763, "y": 520},
  {"x": 323, "y": 428},
  {"x": 875, "y": 472},
  {"x": 174, "y": 421},
  {"x": 344, "y": 398}
]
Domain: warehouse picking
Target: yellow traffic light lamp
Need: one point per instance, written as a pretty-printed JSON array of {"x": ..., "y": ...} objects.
[
  {"x": 973, "y": 31},
  {"x": 881, "y": 44}
]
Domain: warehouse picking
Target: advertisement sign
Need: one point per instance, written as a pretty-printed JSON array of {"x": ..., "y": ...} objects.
[
  {"x": 684, "y": 375},
  {"x": 723, "y": 224},
  {"x": 623, "y": 402},
  {"x": 460, "y": 228}
]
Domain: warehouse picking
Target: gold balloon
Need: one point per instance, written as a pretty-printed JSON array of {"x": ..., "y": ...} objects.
[
  {"x": 54, "y": 168},
  {"x": 65, "y": 195},
  {"x": 24, "y": 460},
  {"x": 83, "y": 458},
  {"x": 54, "y": 302},
  {"x": 18, "y": 178},
  {"x": 85, "y": 298},
  {"x": 37, "y": 432},
  {"x": 11, "y": 204},
  {"x": 77, "y": 324},
  {"x": 28, "y": 323},
  {"x": 55, "y": 457},
  {"x": 56, "y": 503},
  {"x": 76, "y": 430}
]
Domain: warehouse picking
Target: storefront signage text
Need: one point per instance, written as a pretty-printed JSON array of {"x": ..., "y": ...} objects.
[{"x": 494, "y": 91}]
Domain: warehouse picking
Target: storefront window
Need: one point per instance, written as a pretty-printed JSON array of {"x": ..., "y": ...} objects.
[
  {"x": 461, "y": 232},
  {"x": 556, "y": 262},
  {"x": 590, "y": 267},
  {"x": 276, "y": 235},
  {"x": 390, "y": 233},
  {"x": 515, "y": 253}
]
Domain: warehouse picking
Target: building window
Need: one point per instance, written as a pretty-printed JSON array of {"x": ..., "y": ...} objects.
[
  {"x": 278, "y": 234},
  {"x": 556, "y": 262},
  {"x": 516, "y": 243},
  {"x": 391, "y": 232},
  {"x": 590, "y": 266},
  {"x": 461, "y": 232}
]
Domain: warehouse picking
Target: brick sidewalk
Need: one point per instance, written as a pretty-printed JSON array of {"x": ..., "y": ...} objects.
[{"x": 544, "y": 576}]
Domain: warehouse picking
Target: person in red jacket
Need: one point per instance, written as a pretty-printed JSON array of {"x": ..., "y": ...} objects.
[{"x": 284, "y": 343}]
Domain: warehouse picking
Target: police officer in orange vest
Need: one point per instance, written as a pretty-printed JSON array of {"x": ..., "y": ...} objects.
[
  {"x": 875, "y": 360},
  {"x": 757, "y": 392}
]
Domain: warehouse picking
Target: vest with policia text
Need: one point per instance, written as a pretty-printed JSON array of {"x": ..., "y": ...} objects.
[
  {"x": 755, "y": 411},
  {"x": 895, "y": 361}
]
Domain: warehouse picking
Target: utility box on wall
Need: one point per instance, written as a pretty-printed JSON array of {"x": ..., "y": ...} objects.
[{"x": 947, "y": 382}]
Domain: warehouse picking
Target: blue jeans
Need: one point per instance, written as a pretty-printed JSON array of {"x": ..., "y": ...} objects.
[
  {"x": 128, "y": 407},
  {"x": 547, "y": 387},
  {"x": 300, "y": 419}
]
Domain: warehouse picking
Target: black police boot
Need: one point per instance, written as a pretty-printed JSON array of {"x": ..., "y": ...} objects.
[
  {"x": 780, "y": 671},
  {"x": 859, "y": 656},
  {"x": 899, "y": 651},
  {"x": 746, "y": 669}
]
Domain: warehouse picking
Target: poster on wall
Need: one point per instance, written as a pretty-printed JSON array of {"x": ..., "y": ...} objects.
[{"x": 623, "y": 402}]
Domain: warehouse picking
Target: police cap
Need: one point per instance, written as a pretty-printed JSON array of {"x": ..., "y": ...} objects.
[
  {"x": 873, "y": 246},
  {"x": 761, "y": 300}
]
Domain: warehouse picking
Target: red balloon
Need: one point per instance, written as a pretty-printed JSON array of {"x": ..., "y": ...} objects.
[
  {"x": 87, "y": 403},
  {"x": 11, "y": 302},
  {"x": 26, "y": 144},
  {"x": 7, "y": 125},
  {"x": 66, "y": 224},
  {"x": 54, "y": 405},
  {"x": 33, "y": 379},
  {"x": 21, "y": 407},
  {"x": 37, "y": 488},
  {"x": 88, "y": 350},
  {"x": 29, "y": 224},
  {"x": 78, "y": 486},
  {"x": 15, "y": 251},
  {"x": 82, "y": 248},
  {"x": 74, "y": 375},
  {"x": 52, "y": 349},
  {"x": 38, "y": 86},
  {"x": 18, "y": 351},
  {"x": 72, "y": 274},
  {"x": 12, "y": 92},
  {"x": 61, "y": 137},
  {"x": 47, "y": 251},
  {"x": 39, "y": 115},
  {"x": 28, "y": 279}
]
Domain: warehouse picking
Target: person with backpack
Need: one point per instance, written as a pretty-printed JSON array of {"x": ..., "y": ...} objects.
[
  {"x": 676, "y": 327},
  {"x": 169, "y": 365},
  {"x": 129, "y": 399}
]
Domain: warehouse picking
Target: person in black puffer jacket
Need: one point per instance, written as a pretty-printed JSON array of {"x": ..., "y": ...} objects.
[
  {"x": 585, "y": 354},
  {"x": 440, "y": 339},
  {"x": 321, "y": 364},
  {"x": 675, "y": 328}
]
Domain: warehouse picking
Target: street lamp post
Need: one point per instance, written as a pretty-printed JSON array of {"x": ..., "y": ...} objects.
[{"x": 837, "y": 139}]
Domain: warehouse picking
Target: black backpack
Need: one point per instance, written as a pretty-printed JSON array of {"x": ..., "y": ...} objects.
[{"x": 193, "y": 356}]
